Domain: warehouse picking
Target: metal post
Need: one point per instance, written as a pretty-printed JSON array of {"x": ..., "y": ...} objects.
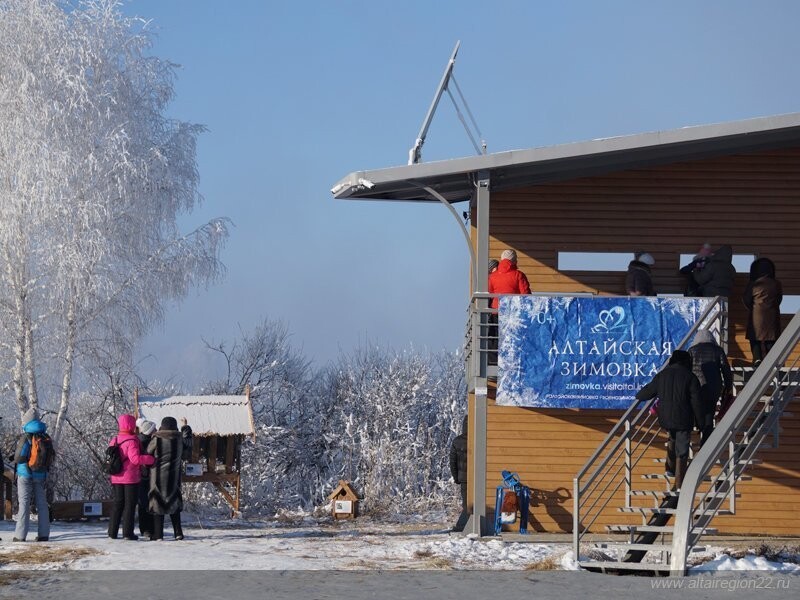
[
  {"x": 627, "y": 463},
  {"x": 482, "y": 224},
  {"x": 576, "y": 519},
  {"x": 731, "y": 479},
  {"x": 478, "y": 431},
  {"x": 478, "y": 428},
  {"x": 415, "y": 154}
]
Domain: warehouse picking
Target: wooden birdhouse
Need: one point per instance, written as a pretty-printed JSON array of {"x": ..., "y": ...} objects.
[{"x": 344, "y": 501}]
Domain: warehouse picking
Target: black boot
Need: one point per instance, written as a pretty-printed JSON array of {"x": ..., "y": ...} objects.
[
  {"x": 681, "y": 464},
  {"x": 669, "y": 466}
]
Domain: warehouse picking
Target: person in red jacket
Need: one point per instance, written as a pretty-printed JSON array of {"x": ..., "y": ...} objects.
[
  {"x": 125, "y": 484},
  {"x": 507, "y": 279}
]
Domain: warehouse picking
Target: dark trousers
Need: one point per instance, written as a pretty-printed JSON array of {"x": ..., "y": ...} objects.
[
  {"x": 145, "y": 516},
  {"x": 158, "y": 525},
  {"x": 678, "y": 454},
  {"x": 464, "y": 516},
  {"x": 708, "y": 398},
  {"x": 678, "y": 446},
  {"x": 760, "y": 349},
  {"x": 123, "y": 509}
]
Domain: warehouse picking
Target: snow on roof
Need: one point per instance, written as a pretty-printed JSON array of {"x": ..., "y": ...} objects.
[{"x": 206, "y": 415}]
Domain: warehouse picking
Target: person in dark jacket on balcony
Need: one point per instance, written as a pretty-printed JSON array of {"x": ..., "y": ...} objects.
[
  {"x": 507, "y": 279},
  {"x": 710, "y": 366},
  {"x": 763, "y": 297},
  {"x": 698, "y": 264},
  {"x": 716, "y": 278},
  {"x": 679, "y": 408},
  {"x": 638, "y": 281},
  {"x": 458, "y": 468}
]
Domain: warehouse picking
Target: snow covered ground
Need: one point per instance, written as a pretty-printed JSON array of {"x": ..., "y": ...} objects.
[{"x": 359, "y": 545}]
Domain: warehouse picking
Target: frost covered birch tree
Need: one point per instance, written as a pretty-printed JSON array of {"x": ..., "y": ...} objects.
[{"x": 93, "y": 179}]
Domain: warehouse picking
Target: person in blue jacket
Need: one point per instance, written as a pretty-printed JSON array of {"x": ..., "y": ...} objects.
[{"x": 31, "y": 483}]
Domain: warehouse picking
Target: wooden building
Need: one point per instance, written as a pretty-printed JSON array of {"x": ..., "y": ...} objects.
[
  {"x": 219, "y": 425},
  {"x": 666, "y": 192}
]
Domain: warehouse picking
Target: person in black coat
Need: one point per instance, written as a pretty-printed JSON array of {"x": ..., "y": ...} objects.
[
  {"x": 638, "y": 281},
  {"x": 710, "y": 366},
  {"x": 170, "y": 447},
  {"x": 145, "y": 431},
  {"x": 458, "y": 468},
  {"x": 698, "y": 264},
  {"x": 717, "y": 277},
  {"x": 679, "y": 408}
]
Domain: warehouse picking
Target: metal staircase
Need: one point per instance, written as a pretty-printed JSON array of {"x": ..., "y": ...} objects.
[{"x": 620, "y": 471}]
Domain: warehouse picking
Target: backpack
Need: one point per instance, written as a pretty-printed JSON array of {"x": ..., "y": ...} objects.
[
  {"x": 42, "y": 452},
  {"x": 112, "y": 461}
]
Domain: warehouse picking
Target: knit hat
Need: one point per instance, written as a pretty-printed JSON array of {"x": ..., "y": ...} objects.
[
  {"x": 647, "y": 259},
  {"x": 681, "y": 357},
  {"x": 169, "y": 423},
  {"x": 509, "y": 255},
  {"x": 493, "y": 264},
  {"x": 146, "y": 427},
  {"x": 31, "y": 415},
  {"x": 139, "y": 422},
  {"x": 704, "y": 336}
]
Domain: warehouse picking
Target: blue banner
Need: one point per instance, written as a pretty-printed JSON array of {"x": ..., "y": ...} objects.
[{"x": 586, "y": 352}]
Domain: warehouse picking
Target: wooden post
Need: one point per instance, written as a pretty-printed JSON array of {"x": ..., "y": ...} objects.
[
  {"x": 250, "y": 410},
  {"x": 238, "y": 490},
  {"x": 136, "y": 402},
  {"x": 230, "y": 443},
  {"x": 212, "y": 454}
]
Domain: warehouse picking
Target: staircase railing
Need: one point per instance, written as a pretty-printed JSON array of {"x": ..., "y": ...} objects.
[
  {"x": 737, "y": 437},
  {"x": 612, "y": 463}
]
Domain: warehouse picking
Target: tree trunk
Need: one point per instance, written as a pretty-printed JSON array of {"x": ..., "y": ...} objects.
[
  {"x": 18, "y": 371},
  {"x": 30, "y": 364},
  {"x": 66, "y": 380}
]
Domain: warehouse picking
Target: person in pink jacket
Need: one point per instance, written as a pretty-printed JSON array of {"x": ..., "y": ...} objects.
[{"x": 125, "y": 484}]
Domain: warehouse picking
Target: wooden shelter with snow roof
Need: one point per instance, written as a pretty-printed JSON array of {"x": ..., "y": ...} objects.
[{"x": 219, "y": 425}]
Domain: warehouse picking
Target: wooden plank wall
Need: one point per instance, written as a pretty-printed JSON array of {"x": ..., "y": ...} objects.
[
  {"x": 547, "y": 447},
  {"x": 751, "y": 202}
]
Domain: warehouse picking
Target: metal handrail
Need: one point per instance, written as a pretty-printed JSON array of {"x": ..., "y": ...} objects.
[
  {"x": 476, "y": 338},
  {"x": 693, "y": 516},
  {"x": 622, "y": 434}
]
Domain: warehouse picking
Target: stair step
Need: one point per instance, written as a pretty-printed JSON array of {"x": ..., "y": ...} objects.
[
  {"x": 752, "y": 461},
  {"x": 706, "y": 478},
  {"x": 644, "y": 547},
  {"x": 670, "y": 493},
  {"x": 648, "y": 529},
  {"x": 603, "y": 565},
  {"x": 661, "y": 511},
  {"x": 646, "y": 509},
  {"x": 662, "y": 477}
]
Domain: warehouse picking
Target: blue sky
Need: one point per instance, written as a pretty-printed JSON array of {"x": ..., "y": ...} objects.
[{"x": 296, "y": 95}]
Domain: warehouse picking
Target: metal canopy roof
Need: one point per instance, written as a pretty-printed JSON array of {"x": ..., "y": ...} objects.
[{"x": 453, "y": 179}]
